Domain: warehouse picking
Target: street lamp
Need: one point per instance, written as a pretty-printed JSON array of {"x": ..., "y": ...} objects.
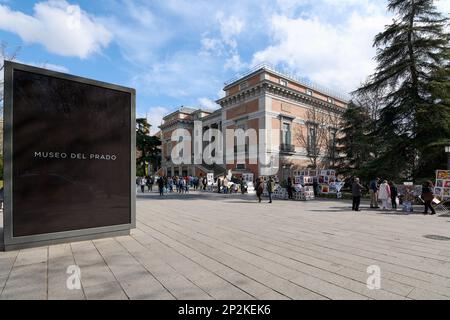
[{"x": 447, "y": 150}]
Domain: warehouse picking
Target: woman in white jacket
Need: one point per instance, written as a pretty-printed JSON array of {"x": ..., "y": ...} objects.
[{"x": 384, "y": 194}]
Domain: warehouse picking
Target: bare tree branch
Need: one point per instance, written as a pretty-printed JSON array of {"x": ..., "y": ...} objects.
[
  {"x": 6, "y": 54},
  {"x": 315, "y": 136}
]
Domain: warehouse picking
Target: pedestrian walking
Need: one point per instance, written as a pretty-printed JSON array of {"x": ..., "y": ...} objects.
[
  {"x": 428, "y": 197},
  {"x": 225, "y": 185},
  {"x": 161, "y": 186},
  {"x": 152, "y": 182},
  {"x": 356, "y": 194},
  {"x": 394, "y": 194},
  {"x": 143, "y": 182},
  {"x": 290, "y": 187},
  {"x": 315, "y": 187},
  {"x": 259, "y": 188},
  {"x": 270, "y": 188},
  {"x": 373, "y": 190},
  {"x": 384, "y": 194}
]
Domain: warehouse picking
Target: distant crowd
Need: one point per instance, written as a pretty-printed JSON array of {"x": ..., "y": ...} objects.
[
  {"x": 386, "y": 192},
  {"x": 381, "y": 191}
]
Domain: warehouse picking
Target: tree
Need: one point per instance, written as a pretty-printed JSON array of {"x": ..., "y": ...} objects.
[
  {"x": 5, "y": 54},
  {"x": 413, "y": 70},
  {"x": 354, "y": 145},
  {"x": 320, "y": 124},
  {"x": 147, "y": 147}
]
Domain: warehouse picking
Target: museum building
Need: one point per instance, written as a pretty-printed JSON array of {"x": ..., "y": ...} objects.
[{"x": 294, "y": 114}]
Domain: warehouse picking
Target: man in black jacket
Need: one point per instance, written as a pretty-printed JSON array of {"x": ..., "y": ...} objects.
[{"x": 356, "y": 193}]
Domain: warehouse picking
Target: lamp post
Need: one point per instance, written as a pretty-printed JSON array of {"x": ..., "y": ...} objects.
[{"x": 447, "y": 150}]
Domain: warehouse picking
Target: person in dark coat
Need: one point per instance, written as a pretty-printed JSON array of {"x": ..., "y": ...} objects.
[
  {"x": 161, "y": 186},
  {"x": 394, "y": 194},
  {"x": 290, "y": 187},
  {"x": 270, "y": 188},
  {"x": 219, "y": 185},
  {"x": 428, "y": 197},
  {"x": 259, "y": 188},
  {"x": 316, "y": 188},
  {"x": 356, "y": 193}
]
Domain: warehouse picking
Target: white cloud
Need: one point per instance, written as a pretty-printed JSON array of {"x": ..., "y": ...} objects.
[
  {"x": 443, "y": 6},
  {"x": 230, "y": 27},
  {"x": 155, "y": 117},
  {"x": 61, "y": 28},
  {"x": 183, "y": 75},
  {"x": 56, "y": 67},
  {"x": 225, "y": 44},
  {"x": 46, "y": 65},
  {"x": 208, "y": 104},
  {"x": 234, "y": 63},
  {"x": 139, "y": 32},
  {"x": 337, "y": 55}
]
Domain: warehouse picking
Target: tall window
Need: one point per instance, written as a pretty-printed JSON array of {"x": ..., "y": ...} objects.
[
  {"x": 312, "y": 139},
  {"x": 333, "y": 133},
  {"x": 286, "y": 134}
]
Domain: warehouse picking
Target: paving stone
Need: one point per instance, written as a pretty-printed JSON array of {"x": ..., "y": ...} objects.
[
  {"x": 27, "y": 282},
  {"x": 105, "y": 291},
  {"x": 32, "y": 256},
  {"x": 209, "y": 246}
]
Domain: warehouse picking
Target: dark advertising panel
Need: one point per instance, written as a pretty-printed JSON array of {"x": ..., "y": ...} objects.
[{"x": 71, "y": 154}]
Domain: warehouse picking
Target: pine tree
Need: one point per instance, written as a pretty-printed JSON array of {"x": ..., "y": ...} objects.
[
  {"x": 413, "y": 68},
  {"x": 147, "y": 146},
  {"x": 353, "y": 145}
]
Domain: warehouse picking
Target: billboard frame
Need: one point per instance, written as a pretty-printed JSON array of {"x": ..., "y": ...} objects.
[{"x": 14, "y": 243}]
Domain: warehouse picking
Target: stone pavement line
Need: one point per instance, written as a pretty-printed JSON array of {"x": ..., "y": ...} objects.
[
  {"x": 135, "y": 280},
  {"x": 239, "y": 280},
  {"x": 368, "y": 248},
  {"x": 28, "y": 276},
  {"x": 177, "y": 283},
  {"x": 420, "y": 274},
  {"x": 214, "y": 247},
  {"x": 329, "y": 276},
  {"x": 316, "y": 285},
  {"x": 409, "y": 290},
  {"x": 96, "y": 278},
  {"x": 60, "y": 258},
  {"x": 178, "y": 286},
  {"x": 275, "y": 282},
  {"x": 7, "y": 261},
  {"x": 208, "y": 281}
]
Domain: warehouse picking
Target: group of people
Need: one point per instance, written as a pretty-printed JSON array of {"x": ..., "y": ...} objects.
[
  {"x": 171, "y": 184},
  {"x": 386, "y": 192},
  {"x": 260, "y": 188},
  {"x": 225, "y": 186},
  {"x": 143, "y": 182}
]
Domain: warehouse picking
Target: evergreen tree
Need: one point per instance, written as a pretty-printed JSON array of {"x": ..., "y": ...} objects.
[
  {"x": 413, "y": 69},
  {"x": 353, "y": 145},
  {"x": 147, "y": 146}
]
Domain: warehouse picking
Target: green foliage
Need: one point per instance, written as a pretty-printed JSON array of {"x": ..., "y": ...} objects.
[
  {"x": 147, "y": 147},
  {"x": 413, "y": 55},
  {"x": 354, "y": 145}
]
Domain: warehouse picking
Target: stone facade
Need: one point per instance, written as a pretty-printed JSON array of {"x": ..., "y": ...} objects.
[{"x": 269, "y": 100}]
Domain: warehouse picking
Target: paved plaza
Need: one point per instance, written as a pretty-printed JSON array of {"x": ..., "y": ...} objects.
[{"x": 211, "y": 246}]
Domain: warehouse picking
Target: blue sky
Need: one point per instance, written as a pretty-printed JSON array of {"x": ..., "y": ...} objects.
[{"x": 181, "y": 52}]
